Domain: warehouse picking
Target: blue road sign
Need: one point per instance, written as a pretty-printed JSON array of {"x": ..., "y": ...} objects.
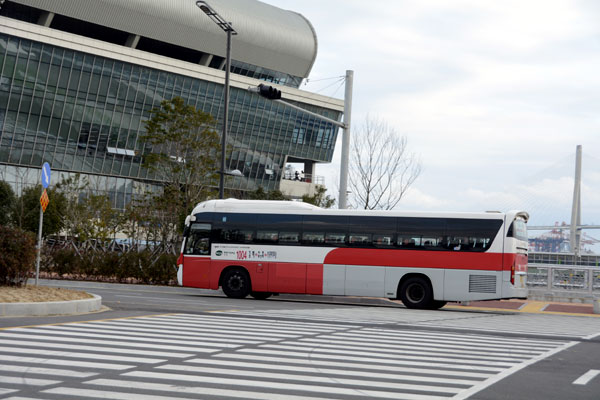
[{"x": 46, "y": 175}]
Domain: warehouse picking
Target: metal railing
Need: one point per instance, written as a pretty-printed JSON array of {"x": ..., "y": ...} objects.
[
  {"x": 302, "y": 177},
  {"x": 564, "y": 279}
]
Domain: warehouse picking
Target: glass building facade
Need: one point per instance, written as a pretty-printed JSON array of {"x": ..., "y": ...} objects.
[{"x": 84, "y": 113}]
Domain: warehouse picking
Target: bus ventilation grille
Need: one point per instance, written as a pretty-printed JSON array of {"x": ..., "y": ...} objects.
[{"x": 482, "y": 284}]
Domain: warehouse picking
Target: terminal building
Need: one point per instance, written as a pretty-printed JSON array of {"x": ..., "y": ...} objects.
[{"x": 78, "y": 79}]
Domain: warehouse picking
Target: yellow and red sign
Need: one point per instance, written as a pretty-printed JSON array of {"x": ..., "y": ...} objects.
[{"x": 44, "y": 200}]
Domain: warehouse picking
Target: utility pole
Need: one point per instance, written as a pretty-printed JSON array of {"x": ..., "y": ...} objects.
[
  {"x": 575, "y": 234},
  {"x": 343, "y": 196}
]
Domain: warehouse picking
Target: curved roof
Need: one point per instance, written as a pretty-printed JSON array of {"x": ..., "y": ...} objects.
[{"x": 268, "y": 36}]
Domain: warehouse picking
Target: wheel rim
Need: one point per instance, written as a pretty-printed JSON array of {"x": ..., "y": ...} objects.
[
  {"x": 415, "y": 293},
  {"x": 235, "y": 283}
]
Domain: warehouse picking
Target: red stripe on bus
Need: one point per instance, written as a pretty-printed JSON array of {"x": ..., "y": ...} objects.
[
  {"x": 272, "y": 276},
  {"x": 416, "y": 259}
]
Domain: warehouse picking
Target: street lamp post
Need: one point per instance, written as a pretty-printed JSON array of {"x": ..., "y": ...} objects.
[{"x": 226, "y": 26}]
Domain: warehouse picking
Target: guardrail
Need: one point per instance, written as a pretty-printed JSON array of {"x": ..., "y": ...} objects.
[{"x": 574, "y": 283}]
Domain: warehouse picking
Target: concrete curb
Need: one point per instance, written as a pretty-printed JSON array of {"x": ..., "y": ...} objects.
[{"x": 51, "y": 307}]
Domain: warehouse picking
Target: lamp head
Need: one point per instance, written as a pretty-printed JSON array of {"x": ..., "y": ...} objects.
[{"x": 205, "y": 7}]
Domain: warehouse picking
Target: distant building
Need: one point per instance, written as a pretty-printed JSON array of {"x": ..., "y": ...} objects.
[{"x": 78, "y": 78}]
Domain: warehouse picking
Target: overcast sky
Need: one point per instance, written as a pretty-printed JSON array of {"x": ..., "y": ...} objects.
[{"x": 493, "y": 95}]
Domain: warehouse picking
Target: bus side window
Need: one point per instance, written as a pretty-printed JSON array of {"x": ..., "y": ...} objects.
[
  {"x": 289, "y": 237},
  {"x": 383, "y": 240},
  {"x": 360, "y": 239}
]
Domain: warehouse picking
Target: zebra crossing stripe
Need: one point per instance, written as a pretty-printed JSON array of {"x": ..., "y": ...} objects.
[
  {"x": 73, "y": 354},
  {"x": 414, "y": 344},
  {"x": 28, "y": 343},
  {"x": 450, "y": 337},
  {"x": 20, "y": 380},
  {"x": 171, "y": 389},
  {"x": 275, "y": 386},
  {"x": 46, "y": 371},
  {"x": 70, "y": 363},
  {"x": 233, "y": 322},
  {"x": 263, "y": 322},
  {"x": 311, "y": 349},
  {"x": 7, "y": 391},
  {"x": 306, "y": 378},
  {"x": 468, "y": 341},
  {"x": 57, "y": 338},
  {"x": 123, "y": 341},
  {"x": 105, "y": 394},
  {"x": 374, "y": 360},
  {"x": 248, "y": 332},
  {"x": 22, "y": 398},
  {"x": 142, "y": 335},
  {"x": 320, "y": 364},
  {"x": 404, "y": 349}
]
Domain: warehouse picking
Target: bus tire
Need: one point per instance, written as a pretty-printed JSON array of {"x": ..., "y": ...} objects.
[
  {"x": 416, "y": 292},
  {"x": 236, "y": 283},
  {"x": 261, "y": 295},
  {"x": 437, "y": 304}
]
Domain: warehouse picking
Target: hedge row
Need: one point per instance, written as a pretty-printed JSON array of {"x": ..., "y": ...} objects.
[{"x": 138, "y": 267}]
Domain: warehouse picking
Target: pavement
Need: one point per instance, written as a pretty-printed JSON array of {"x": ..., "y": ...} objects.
[
  {"x": 506, "y": 306},
  {"x": 513, "y": 306}
]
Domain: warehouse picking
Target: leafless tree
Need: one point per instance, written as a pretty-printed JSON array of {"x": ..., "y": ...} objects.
[{"x": 381, "y": 168}]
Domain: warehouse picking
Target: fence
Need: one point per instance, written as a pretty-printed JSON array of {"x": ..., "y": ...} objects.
[{"x": 563, "y": 282}]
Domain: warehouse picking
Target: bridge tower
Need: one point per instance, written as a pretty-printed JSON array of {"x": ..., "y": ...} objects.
[{"x": 575, "y": 236}]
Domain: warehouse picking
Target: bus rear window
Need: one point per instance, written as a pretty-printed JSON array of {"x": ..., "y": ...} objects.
[{"x": 518, "y": 230}]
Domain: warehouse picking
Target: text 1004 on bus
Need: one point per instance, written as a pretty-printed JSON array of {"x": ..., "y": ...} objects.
[{"x": 261, "y": 248}]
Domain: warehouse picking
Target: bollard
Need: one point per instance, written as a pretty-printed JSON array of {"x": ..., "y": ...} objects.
[{"x": 597, "y": 306}]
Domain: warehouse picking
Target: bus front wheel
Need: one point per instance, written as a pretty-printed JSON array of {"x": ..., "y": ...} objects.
[
  {"x": 236, "y": 283},
  {"x": 416, "y": 292}
]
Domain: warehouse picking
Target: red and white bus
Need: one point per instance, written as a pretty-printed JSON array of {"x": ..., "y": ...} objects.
[{"x": 260, "y": 248}]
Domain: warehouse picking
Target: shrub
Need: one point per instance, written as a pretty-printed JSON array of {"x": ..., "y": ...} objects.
[
  {"x": 162, "y": 271},
  {"x": 17, "y": 256}
]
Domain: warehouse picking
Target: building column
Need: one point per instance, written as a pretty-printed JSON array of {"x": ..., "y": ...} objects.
[
  {"x": 132, "y": 41},
  {"x": 46, "y": 19},
  {"x": 205, "y": 59},
  {"x": 309, "y": 170}
]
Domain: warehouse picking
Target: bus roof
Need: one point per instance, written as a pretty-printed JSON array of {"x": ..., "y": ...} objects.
[{"x": 297, "y": 207}]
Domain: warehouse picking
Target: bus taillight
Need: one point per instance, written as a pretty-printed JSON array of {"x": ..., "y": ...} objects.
[{"x": 512, "y": 273}]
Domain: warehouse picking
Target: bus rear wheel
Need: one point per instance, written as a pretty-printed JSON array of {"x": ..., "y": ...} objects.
[
  {"x": 437, "y": 304},
  {"x": 236, "y": 283},
  {"x": 261, "y": 295},
  {"x": 416, "y": 292}
]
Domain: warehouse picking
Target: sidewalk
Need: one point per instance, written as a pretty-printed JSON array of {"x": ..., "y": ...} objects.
[
  {"x": 518, "y": 306},
  {"x": 528, "y": 306}
]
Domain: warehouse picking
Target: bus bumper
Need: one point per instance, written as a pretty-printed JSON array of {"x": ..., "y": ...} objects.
[{"x": 180, "y": 275}]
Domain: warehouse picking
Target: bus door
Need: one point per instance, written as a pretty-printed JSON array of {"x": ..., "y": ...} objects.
[{"x": 196, "y": 256}]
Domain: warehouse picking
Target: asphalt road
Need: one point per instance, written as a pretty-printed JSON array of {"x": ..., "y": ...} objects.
[{"x": 190, "y": 343}]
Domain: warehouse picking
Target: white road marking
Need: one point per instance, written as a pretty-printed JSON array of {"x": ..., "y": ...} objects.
[
  {"x": 29, "y": 343},
  {"x": 588, "y": 376},
  {"x": 70, "y": 363},
  {"x": 74, "y": 354},
  {"x": 497, "y": 378},
  {"x": 311, "y": 378},
  {"x": 46, "y": 371},
  {"x": 332, "y": 371},
  {"x": 20, "y": 380},
  {"x": 319, "y": 364}
]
